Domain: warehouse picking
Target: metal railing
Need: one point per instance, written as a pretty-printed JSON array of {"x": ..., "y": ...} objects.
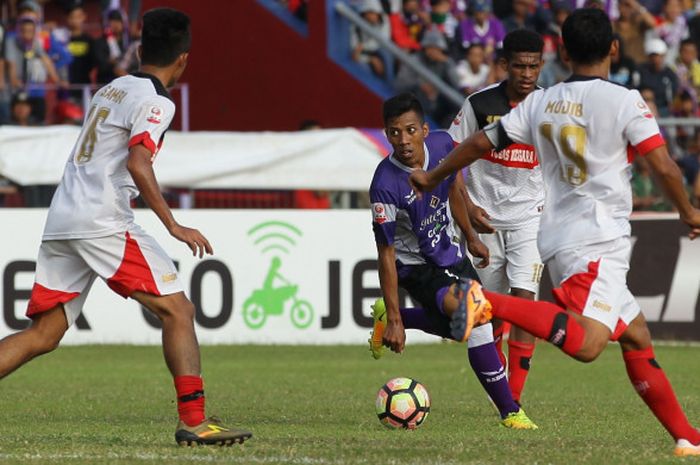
[
  {"x": 406, "y": 59},
  {"x": 88, "y": 90}
]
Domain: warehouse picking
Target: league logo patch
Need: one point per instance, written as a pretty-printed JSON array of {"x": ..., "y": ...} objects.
[
  {"x": 379, "y": 213},
  {"x": 458, "y": 118},
  {"x": 154, "y": 116},
  {"x": 646, "y": 112},
  {"x": 434, "y": 201}
]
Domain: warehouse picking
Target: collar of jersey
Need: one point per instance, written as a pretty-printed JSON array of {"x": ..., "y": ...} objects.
[
  {"x": 406, "y": 168},
  {"x": 160, "y": 88},
  {"x": 579, "y": 77}
]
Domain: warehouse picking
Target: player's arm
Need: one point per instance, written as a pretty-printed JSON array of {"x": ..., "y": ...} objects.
[
  {"x": 458, "y": 207},
  {"x": 394, "y": 334},
  {"x": 669, "y": 176},
  {"x": 140, "y": 167},
  {"x": 470, "y": 150}
]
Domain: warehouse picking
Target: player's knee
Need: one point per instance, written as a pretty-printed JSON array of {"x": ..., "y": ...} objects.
[
  {"x": 187, "y": 310},
  {"x": 593, "y": 346},
  {"x": 45, "y": 340},
  {"x": 636, "y": 336}
]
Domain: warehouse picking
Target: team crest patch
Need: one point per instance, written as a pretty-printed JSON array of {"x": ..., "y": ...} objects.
[
  {"x": 379, "y": 213},
  {"x": 154, "y": 116},
  {"x": 434, "y": 201}
]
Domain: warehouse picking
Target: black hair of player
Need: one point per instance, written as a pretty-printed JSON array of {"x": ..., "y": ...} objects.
[
  {"x": 521, "y": 41},
  {"x": 587, "y": 35},
  {"x": 165, "y": 36},
  {"x": 400, "y": 104}
]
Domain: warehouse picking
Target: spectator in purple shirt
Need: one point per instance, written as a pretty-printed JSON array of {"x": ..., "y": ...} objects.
[{"x": 482, "y": 28}]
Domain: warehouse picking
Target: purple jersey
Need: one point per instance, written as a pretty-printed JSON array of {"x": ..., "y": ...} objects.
[
  {"x": 491, "y": 34},
  {"x": 421, "y": 231}
]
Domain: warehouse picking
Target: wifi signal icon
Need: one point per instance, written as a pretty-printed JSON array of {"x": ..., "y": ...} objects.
[{"x": 275, "y": 236}]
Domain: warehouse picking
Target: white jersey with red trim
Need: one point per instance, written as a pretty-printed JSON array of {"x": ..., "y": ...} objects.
[
  {"x": 95, "y": 193},
  {"x": 582, "y": 129},
  {"x": 506, "y": 183}
]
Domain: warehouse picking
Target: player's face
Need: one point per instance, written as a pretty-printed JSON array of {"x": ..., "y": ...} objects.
[
  {"x": 406, "y": 134},
  {"x": 523, "y": 71}
]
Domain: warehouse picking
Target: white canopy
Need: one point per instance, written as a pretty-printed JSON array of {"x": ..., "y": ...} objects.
[{"x": 330, "y": 159}]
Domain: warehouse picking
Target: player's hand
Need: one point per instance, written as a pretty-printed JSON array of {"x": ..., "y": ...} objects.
[
  {"x": 480, "y": 220},
  {"x": 693, "y": 220},
  {"x": 195, "y": 240},
  {"x": 479, "y": 250},
  {"x": 420, "y": 182},
  {"x": 394, "y": 336}
]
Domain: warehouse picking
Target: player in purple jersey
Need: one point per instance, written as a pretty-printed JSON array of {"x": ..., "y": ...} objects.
[{"x": 421, "y": 250}]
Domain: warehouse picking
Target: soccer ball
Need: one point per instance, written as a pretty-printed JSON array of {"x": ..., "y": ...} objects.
[{"x": 402, "y": 403}]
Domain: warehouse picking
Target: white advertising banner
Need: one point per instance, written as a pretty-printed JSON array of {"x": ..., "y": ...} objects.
[
  {"x": 308, "y": 277},
  {"x": 203, "y": 160},
  {"x": 276, "y": 277}
]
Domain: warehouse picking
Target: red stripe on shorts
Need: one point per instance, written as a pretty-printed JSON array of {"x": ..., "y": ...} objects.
[
  {"x": 43, "y": 299},
  {"x": 133, "y": 274},
  {"x": 573, "y": 292}
]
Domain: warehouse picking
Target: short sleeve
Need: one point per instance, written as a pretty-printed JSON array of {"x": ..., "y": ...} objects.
[
  {"x": 516, "y": 123},
  {"x": 149, "y": 121},
  {"x": 464, "y": 124},
  {"x": 639, "y": 125},
  {"x": 384, "y": 207}
]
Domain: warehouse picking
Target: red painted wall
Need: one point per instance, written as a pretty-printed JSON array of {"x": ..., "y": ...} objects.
[{"x": 248, "y": 71}]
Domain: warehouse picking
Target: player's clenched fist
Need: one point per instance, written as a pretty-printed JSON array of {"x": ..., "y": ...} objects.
[{"x": 421, "y": 182}]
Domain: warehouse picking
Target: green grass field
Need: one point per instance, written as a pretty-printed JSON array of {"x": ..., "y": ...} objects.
[{"x": 315, "y": 405}]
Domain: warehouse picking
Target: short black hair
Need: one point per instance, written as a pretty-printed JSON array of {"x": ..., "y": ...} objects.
[
  {"x": 688, "y": 41},
  {"x": 400, "y": 104},
  {"x": 165, "y": 36},
  {"x": 521, "y": 41},
  {"x": 587, "y": 35}
]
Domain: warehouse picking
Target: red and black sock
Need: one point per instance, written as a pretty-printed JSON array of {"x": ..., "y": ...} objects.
[
  {"x": 541, "y": 319},
  {"x": 519, "y": 355},
  {"x": 190, "y": 399},
  {"x": 653, "y": 387}
]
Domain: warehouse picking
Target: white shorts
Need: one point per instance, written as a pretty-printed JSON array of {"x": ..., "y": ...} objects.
[
  {"x": 127, "y": 262},
  {"x": 592, "y": 281},
  {"x": 514, "y": 260}
]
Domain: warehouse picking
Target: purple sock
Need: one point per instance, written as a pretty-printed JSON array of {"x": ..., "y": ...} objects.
[
  {"x": 488, "y": 368},
  {"x": 419, "y": 318}
]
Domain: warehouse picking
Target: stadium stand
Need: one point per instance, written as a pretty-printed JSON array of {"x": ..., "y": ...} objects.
[{"x": 79, "y": 45}]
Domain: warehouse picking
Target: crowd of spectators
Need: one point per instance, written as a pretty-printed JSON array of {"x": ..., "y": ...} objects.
[
  {"x": 45, "y": 61},
  {"x": 460, "y": 40}
]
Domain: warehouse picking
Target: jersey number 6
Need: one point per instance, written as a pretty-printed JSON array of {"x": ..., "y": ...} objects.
[{"x": 87, "y": 146}]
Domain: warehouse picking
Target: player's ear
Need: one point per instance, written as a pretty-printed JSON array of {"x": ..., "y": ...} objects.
[
  {"x": 614, "y": 47},
  {"x": 426, "y": 129},
  {"x": 138, "y": 52},
  {"x": 182, "y": 59},
  {"x": 563, "y": 53},
  {"x": 503, "y": 63}
]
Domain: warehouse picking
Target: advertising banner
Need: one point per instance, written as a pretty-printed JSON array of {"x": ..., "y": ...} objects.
[{"x": 307, "y": 277}]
